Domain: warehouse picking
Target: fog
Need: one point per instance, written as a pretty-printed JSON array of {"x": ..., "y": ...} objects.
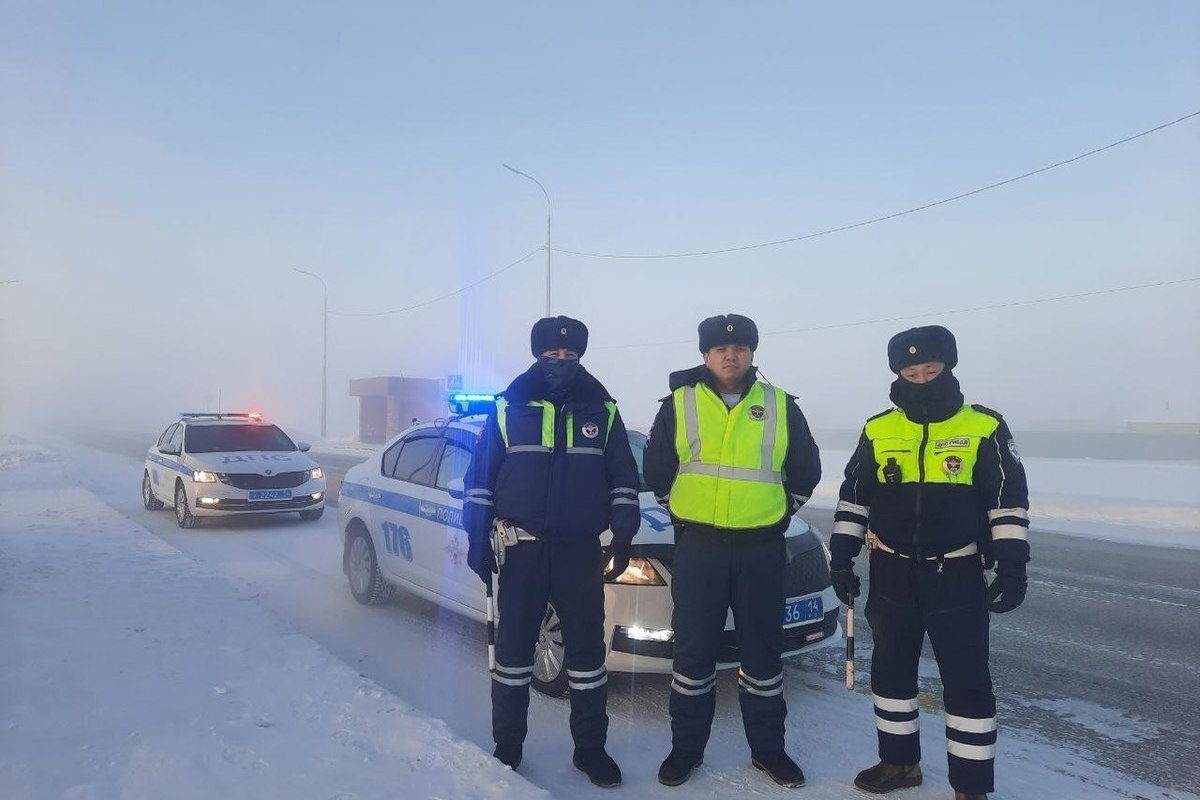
[{"x": 165, "y": 170}]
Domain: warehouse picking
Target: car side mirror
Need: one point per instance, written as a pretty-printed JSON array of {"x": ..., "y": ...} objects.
[
  {"x": 457, "y": 489},
  {"x": 169, "y": 450},
  {"x": 303, "y": 447}
]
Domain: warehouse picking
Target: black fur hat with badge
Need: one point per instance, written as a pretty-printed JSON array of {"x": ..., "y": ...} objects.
[
  {"x": 919, "y": 345},
  {"x": 553, "y": 333},
  {"x": 727, "y": 329}
]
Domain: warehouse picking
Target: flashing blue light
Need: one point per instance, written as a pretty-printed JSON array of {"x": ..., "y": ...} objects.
[{"x": 473, "y": 398}]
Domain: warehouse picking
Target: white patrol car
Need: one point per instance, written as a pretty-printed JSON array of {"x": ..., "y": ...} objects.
[
  {"x": 220, "y": 464},
  {"x": 401, "y": 513}
]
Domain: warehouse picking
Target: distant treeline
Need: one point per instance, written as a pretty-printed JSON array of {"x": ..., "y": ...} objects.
[{"x": 1061, "y": 444}]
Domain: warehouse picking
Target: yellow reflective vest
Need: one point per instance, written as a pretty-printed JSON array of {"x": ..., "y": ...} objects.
[
  {"x": 936, "y": 452},
  {"x": 730, "y": 459}
]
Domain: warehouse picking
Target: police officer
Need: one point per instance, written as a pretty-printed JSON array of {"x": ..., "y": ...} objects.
[
  {"x": 552, "y": 471},
  {"x": 936, "y": 489},
  {"x": 732, "y": 458}
]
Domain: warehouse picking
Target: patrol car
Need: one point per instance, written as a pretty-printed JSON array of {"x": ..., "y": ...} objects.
[
  {"x": 401, "y": 514},
  {"x": 220, "y": 464}
]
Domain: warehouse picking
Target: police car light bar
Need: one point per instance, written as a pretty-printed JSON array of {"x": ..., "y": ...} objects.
[
  {"x": 470, "y": 403},
  {"x": 253, "y": 415}
]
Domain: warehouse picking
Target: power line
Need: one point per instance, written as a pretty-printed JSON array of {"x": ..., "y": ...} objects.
[
  {"x": 926, "y": 315},
  {"x": 430, "y": 302},
  {"x": 886, "y": 217}
]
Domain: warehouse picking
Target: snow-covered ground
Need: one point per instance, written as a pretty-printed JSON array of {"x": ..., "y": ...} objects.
[
  {"x": 133, "y": 670},
  {"x": 130, "y": 670},
  {"x": 1152, "y": 502}
]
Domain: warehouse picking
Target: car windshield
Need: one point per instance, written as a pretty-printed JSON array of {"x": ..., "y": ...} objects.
[{"x": 235, "y": 438}]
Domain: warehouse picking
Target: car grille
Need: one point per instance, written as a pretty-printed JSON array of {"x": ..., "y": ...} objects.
[
  {"x": 806, "y": 573},
  {"x": 281, "y": 480}
]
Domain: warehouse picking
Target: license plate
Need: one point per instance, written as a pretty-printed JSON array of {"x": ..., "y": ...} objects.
[
  {"x": 271, "y": 494},
  {"x": 801, "y": 610}
]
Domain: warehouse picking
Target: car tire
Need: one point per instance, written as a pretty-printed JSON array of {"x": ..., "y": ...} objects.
[
  {"x": 183, "y": 514},
  {"x": 549, "y": 668},
  {"x": 367, "y": 583},
  {"x": 150, "y": 502},
  {"x": 312, "y": 514}
]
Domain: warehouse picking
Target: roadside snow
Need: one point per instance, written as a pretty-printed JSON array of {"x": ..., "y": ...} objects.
[
  {"x": 1151, "y": 502},
  {"x": 131, "y": 671}
]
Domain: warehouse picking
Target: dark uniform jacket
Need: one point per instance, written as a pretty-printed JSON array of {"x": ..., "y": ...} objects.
[
  {"x": 801, "y": 465},
  {"x": 926, "y": 519},
  {"x": 557, "y": 494}
]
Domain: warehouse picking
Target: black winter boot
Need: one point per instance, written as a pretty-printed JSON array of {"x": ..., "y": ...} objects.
[
  {"x": 678, "y": 766},
  {"x": 780, "y": 767},
  {"x": 508, "y": 754},
  {"x": 884, "y": 777},
  {"x": 598, "y": 765}
]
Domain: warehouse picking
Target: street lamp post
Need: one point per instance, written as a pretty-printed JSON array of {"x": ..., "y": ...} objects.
[
  {"x": 547, "y": 195},
  {"x": 324, "y": 348}
]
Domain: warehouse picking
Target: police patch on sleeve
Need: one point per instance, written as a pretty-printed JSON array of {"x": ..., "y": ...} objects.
[{"x": 1012, "y": 448}]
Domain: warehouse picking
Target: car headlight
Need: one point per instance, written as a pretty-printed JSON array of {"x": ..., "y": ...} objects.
[
  {"x": 316, "y": 474},
  {"x": 640, "y": 572},
  {"x": 204, "y": 477}
]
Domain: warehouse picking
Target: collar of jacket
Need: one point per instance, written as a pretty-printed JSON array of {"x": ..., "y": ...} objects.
[
  {"x": 700, "y": 374},
  {"x": 530, "y": 385}
]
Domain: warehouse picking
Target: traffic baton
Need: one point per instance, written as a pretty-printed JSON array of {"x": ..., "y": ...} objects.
[
  {"x": 850, "y": 645},
  {"x": 491, "y": 625}
]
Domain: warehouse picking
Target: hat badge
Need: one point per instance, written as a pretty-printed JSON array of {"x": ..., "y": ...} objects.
[
  {"x": 912, "y": 349},
  {"x": 729, "y": 328},
  {"x": 563, "y": 331}
]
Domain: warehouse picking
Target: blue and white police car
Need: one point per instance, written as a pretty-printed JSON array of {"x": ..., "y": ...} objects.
[
  {"x": 234, "y": 463},
  {"x": 401, "y": 514}
]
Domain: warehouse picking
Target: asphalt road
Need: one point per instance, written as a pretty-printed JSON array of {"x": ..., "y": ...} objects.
[{"x": 1104, "y": 655}]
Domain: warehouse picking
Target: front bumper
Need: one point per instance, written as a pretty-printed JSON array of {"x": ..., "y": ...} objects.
[{"x": 211, "y": 499}]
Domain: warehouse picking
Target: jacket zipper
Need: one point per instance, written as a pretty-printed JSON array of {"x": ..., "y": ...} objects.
[{"x": 920, "y": 481}]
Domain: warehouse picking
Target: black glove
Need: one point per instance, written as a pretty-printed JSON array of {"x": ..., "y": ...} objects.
[
  {"x": 618, "y": 552},
  {"x": 1007, "y": 590},
  {"x": 846, "y": 584},
  {"x": 481, "y": 558}
]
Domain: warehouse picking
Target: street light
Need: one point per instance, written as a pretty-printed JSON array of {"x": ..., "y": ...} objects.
[
  {"x": 324, "y": 347},
  {"x": 547, "y": 194}
]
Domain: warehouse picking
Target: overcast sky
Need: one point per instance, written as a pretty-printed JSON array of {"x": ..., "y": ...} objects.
[{"x": 165, "y": 166}]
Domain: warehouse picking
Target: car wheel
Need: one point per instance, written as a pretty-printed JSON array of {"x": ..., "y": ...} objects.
[
  {"x": 312, "y": 513},
  {"x": 367, "y": 583},
  {"x": 549, "y": 671},
  {"x": 151, "y": 502},
  {"x": 183, "y": 514}
]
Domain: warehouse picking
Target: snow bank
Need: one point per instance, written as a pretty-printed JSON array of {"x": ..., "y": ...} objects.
[
  {"x": 131, "y": 671},
  {"x": 1151, "y": 502}
]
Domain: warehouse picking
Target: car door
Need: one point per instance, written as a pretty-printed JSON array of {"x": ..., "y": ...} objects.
[
  {"x": 404, "y": 514},
  {"x": 163, "y": 475},
  {"x": 459, "y": 583}
]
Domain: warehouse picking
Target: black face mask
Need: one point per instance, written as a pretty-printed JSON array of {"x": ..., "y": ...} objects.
[
  {"x": 559, "y": 373},
  {"x": 933, "y": 401}
]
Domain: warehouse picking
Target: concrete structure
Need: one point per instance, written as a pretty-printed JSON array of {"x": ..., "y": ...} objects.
[
  {"x": 1165, "y": 427},
  {"x": 389, "y": 405}
]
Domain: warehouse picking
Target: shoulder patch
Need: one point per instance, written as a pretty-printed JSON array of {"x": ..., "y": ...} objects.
[{"x": 986, "y": 410}]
